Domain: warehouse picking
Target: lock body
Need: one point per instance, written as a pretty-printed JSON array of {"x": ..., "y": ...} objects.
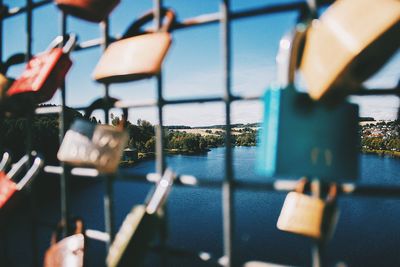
[
  {"x": 43, "y": 75},
  {"x": 7, "y": 189},
  {"x": 138, "y": 57},
  {"x": 139, "y": 54},
  {"x": 69, "y": 251},
  {"x": 302, "y": 214},
  {"x": 301, "y": 137},
  {"x": 90, "y": 145},
  {"x": 91, "y": 10},
  {"x": 132, "y": 241},
  {"x": 140, "y": 226}
]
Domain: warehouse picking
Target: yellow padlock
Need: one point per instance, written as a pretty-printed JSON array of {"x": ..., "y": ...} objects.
[{"x": 307, "y": 215}]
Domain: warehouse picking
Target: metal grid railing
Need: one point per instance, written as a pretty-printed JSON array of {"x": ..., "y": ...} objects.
[{"x": 224, "y": 17}]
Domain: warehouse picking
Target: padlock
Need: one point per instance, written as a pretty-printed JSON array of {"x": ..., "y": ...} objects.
[
  {"x": 6, "y": 82},
  {"x": 45, "y": 72},
  {"x": 309, "y": 215},
  {"x": 95, "y": 145},
  {"x": 90, "y": 10},
  {"x": 139, "y": 227},
  {"x": 8, "y": 187},
  {"x": 302, "y": 137},
  {"x": 137, "y": 55},
  {"x": 348, "y": 44},
  {"x": 70, "y": 250}
]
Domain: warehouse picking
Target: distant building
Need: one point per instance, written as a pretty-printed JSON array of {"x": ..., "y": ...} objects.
[{"x": 130, "y": 154}]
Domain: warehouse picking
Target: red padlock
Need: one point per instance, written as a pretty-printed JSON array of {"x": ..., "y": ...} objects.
[
  {"x": 45, "y": 72},
  {"x": 91, "y": 10},
  {"x": 8, "y": 187}
]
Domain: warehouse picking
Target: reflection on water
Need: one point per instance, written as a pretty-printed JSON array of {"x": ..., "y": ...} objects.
[{"x": 367, "y": 233}]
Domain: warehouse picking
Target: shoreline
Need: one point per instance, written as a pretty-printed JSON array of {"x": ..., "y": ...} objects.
[
  {"x": 186, "y": 152},
  {"x": 382, "y": 153},
  {"x": 145, "y": 156},
  {"x": 141, "y": 158},
  {"x": 151, "y": 155}
]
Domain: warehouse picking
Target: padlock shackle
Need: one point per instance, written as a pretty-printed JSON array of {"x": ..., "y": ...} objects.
[
  {"x": 158, "y": 197},
  {"x": 3, "y": 10},
  {"x": 31, "y": 173},
  {"x": 301, "y": 185},
  {"x": 106, "y": 103},
  {"x": 5, "y": 161},
  {"x": 332, "y": 193},
  {"x": 12, "y": 60},
  {"x": 79, "y": 229},
  {"x": 69, "y": 44},
  {"x": 315, "y": 187},
  {"x": 313, "y": 7},
  {"x": 289, "y": 56},
  {"x": 135, "y": 28},
  {"x": 17, "y": 167}
]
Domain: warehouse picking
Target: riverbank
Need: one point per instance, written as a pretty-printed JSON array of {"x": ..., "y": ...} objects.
[
  {"x": 141, "y": 157},
  {"x": 186, "y": 151},
  {"x": 144, "y": 156},
  {"x": 382, "y": 153},
  {"x": 151, "y": 155}
]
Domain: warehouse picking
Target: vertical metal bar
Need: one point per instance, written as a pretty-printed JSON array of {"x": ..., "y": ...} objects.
[
  {"x": 398, "y": 95},
  {"x": 27, "y": 58},
  {"x": 30, "y": 117},
  {"x": 1, "y": 34},
  {"x": 109, "y": 209},
  {"x": 64, "y": 181},
  {"x": 1, "y": 60},
  {"x": 109, "y": 192},
  {"x": 29, "y": 29},
  {"x": 316, "y": 259},
  {"x": 160, "y": 155},
  {"x": 318, "y": 245},
  {"x": 227, "y": 187}
]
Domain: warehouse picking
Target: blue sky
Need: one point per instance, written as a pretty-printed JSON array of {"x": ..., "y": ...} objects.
[{"x": 194, "y": 65}]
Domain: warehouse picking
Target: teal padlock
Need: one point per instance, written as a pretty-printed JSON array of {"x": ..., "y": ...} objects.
[{"x": 302, "y": 137}]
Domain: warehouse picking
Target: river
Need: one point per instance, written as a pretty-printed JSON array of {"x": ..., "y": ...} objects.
[{"x": 367, "y": 233}]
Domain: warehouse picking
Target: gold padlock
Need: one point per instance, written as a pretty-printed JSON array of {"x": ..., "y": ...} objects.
[
  {"x": 5, "y": 83},
  {"x": 308, "y": 215},
  {"x": 350, "y": 42}
]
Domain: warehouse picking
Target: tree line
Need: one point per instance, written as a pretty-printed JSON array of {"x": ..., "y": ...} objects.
[{"x": 45, "y": 136}]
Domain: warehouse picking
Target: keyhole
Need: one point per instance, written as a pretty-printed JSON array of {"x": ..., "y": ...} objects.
[
  {"x": 328, "y": 157},
  {"x": 314, "y": 155}
]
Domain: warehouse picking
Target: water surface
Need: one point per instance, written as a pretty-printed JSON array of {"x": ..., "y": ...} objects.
[{"x": 367, "y": 233}]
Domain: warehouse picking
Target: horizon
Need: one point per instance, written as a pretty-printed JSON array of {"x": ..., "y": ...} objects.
[{"x": 187, "y": 74}]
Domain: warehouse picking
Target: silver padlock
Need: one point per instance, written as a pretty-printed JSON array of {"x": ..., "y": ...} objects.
[{"x": 94, "y": 145}]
